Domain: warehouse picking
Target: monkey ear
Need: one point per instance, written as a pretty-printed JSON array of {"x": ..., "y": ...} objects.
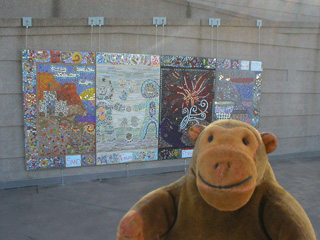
[
  {"x": 270, "y": 141},
  {"x": 195, "y": 131}
]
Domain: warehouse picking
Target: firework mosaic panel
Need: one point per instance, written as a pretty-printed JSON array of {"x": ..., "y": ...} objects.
[
  {"x": 127, "y": 107},
  {"x": 59, "y": 104},
  {"x": 187, "y": 98}
]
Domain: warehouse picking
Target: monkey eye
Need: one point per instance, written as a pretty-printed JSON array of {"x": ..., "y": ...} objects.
[
  {"x": 245, "y": 141},
  {"x": 210, "y": 138}
]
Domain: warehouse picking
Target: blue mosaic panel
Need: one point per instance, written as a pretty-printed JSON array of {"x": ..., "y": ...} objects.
[{"x": 238, "y": 91}]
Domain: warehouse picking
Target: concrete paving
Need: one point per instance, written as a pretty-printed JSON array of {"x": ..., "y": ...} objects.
[{"x": 92, "y": 210}]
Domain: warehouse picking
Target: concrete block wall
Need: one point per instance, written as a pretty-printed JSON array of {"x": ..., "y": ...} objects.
[
  {"x": 92, "y": 8},
  {"x": 275, "y": 10},
  {"x": 290, "y": 54}
]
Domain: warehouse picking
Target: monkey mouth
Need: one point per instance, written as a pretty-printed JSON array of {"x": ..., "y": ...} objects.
[{"x": 224, "y": 187}]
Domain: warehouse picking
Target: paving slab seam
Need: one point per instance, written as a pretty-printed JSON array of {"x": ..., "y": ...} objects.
[
  {"x": 82, "y": 203},
  {"x": 29, "y": 237}
]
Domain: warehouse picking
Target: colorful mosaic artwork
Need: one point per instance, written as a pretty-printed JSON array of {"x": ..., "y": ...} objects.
[
  {"x": 59, "y": 103},
  {"x": 88, "y": 160},
  {"x": 188, "y": 62},
  {"x": 169, "y": 153},
  {"x": 187, "y": 98},
  {"x": 136, "y": 118},
  {"x": 127, "y": 107},
  {"x": 237, "y": 92}
]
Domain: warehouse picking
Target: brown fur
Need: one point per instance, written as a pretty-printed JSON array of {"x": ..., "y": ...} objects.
[{"x": 229, "y": 192}]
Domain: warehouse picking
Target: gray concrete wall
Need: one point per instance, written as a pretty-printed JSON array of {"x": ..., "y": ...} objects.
[
  {"x": 290, "y": 103},
  {"x": 91, "y": 8},
  {"x": 275, "y": 10},
  {"x": 112, "y": 9}
]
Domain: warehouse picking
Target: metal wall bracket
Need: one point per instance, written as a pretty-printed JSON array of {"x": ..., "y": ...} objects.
[
  {"x": 100, "y": 21},
  {"x": 214, "y": 22},
  {"x": 96, "y": 21},
  {"x": 259, "y": 23},
  {"x": 27, "y": 22},
  {"x": 159, "y": 21},
  {"x": 91, "y": 21}
]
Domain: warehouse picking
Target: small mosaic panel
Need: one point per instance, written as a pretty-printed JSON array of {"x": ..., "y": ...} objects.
[
  {"x": 88, "y": 160},
  {"x": 128, "y": 59},
  {"x": 188, "y": 62},
  {"x": 238, "y": 91},
  {"x": 187, "y": 98},
  {"x": 169, "y": 153},
  {"x": 127, "y": 107},
  {"x": 59, "y": 103}
]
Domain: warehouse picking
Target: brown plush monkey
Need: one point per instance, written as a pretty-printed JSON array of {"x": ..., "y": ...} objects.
[{"x": 229, "y": 192}]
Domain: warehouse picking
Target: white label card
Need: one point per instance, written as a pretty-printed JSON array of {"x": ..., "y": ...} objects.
[
  {"x": 187, "y": 153},
  {"x": 73, "y": 161},
  {"x": 256, "y": 66}
]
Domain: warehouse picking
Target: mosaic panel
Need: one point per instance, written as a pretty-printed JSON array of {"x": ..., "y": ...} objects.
[
  {"x": 188, "y": 62},
  {"x": 127, "y": 107},
  {"x": 88, "y": 160},
  {"x": 170, "y": 153},
  {"x": 187, "y": 98},
  {"x": 238, "y": 91},
  {"x": 59, "y": 104}
]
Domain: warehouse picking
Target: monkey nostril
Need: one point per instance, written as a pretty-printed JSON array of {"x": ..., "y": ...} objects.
[
  {"x": 224, "y": 165},
  {"x": 245, "y": 141}
]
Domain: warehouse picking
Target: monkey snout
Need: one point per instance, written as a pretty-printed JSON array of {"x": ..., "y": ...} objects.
[{"x": 221, "y": 169}]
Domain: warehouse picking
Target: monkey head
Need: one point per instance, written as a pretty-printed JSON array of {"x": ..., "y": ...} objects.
[{"x": 229, "y": 161}]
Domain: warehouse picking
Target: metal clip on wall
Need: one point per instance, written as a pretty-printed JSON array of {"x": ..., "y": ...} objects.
[
  {"x": 259, "y": 24},
  {"x": 214, "y": 22},
  {"x": 95, "y": 21},
  {"x": 27, "y": 22},
  {"x": 160, "y": 21}
]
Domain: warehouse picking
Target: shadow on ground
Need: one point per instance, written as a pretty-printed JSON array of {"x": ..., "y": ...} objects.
[{"x": 92, "y": 210}]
